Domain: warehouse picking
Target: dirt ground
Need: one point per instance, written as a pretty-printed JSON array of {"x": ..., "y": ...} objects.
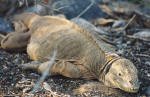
[
  {"x": 17, "y": 82},
  {"x": 10, "y": 73}
]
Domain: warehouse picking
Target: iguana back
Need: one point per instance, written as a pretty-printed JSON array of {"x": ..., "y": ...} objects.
[
  {"x": 92, "y": 30},
  {"x": 54, "y": 34}
]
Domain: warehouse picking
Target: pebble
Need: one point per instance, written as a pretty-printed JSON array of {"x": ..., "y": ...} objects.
[
  {"x": 96, "y": 96},
  {"x": 38, "y": 9},
  {"x": 11, "y": 65},
  {"x": 144, "y": 35},
  {"x": 5, "y": 26},
  {"x": 147, "y": 63},
  {"x": 1, "y": 58},
  {"x": 119, "y": 23},
  {"x": 148, "y": 91},
  {"x": 34, "y": 75}
]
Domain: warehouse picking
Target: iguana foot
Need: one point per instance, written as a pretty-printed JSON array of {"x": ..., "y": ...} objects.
[{"x": 31, "y": 65}]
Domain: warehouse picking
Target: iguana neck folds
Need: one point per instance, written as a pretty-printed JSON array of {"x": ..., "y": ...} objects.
[{"x": 111, "y": 57}]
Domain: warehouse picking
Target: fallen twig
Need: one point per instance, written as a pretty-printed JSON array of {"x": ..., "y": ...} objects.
[
  {"x": 133, "y": 17},
  {"x": 86, "y": 9},
  {"x": 123, "y": 28},
  {"x": 42, "y": 78},
  {"x": 142, "y": 55},
  {"x": 133, "y": 37},
  {"x": 27, "y": 4}
]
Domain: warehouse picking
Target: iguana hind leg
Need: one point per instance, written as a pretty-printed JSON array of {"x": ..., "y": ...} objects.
[
  {"x": 31, "y": 65},
  {"x": 15, "y": 41},
  {"x": 18, "y": 39},
  {"x": 65, "y": 68}
]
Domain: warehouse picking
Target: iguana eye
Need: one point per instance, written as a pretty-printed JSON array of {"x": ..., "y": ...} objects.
[{"x": 119, "y": 74}]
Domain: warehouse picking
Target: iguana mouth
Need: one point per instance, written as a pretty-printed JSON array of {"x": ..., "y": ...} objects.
[
  {"x": 134, "y": 90},
  {"x": 131, "y": 90}
]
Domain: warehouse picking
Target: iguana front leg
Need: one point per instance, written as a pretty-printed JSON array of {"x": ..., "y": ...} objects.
[
  {"x": 18, "y": 39},
  {"x": 15, "y": 41},
  {"x": 65, "y": 68}
]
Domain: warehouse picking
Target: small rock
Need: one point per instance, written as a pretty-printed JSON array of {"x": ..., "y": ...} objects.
[
  {"x": 128, "y": 42},
  {"x": 34, "y": 75},
  {"x": 120, "y": 51},
  {"x": 16, "y": 60},
  {"x": 119, "y": 23},
  {"x": 5, "y": 26},
  {"x": 148, "y": 91},
  {"x": 5, "y": 6},
  {"x": 5, "y": 67},
  {"x": 1, "y": 58},
  {"x": 144, "y": 35},
  {"x": 38, "y": 9},
  {"x": 96, "y": 96},
  {"x": 147, "y": 63},
  {"x": 47, "y": 86},
  {"x": 11, "y": 65},
  {"x": 148, "y": 74}
]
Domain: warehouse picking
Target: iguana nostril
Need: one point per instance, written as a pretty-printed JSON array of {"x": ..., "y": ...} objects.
[
  {"x": 131, "y": 81},
  {"x": 119, "y": 74}
]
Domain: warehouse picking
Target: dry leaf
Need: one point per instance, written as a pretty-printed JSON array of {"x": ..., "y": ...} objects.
[
  {"x": 106, "y": 9},
  {"x": 102, "y": 21},
  {"x": 144, "y": 35}
]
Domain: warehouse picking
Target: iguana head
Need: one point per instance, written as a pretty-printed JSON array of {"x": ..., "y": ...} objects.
[{"x": 122, "y": 74}]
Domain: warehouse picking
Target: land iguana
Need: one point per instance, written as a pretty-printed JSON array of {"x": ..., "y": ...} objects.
[{"x": 80, "y": 53}]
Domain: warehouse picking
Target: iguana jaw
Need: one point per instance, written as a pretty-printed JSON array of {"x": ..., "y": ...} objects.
[
  {"x": 126, "y": 88},
  {"x": 122, "y": 74}
]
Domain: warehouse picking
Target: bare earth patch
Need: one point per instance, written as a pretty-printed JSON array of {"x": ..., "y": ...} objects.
[{"x": 11, "y": 74}]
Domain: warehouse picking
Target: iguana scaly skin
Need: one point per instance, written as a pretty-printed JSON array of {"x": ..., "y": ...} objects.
[{"x": 80, "y": 53}]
